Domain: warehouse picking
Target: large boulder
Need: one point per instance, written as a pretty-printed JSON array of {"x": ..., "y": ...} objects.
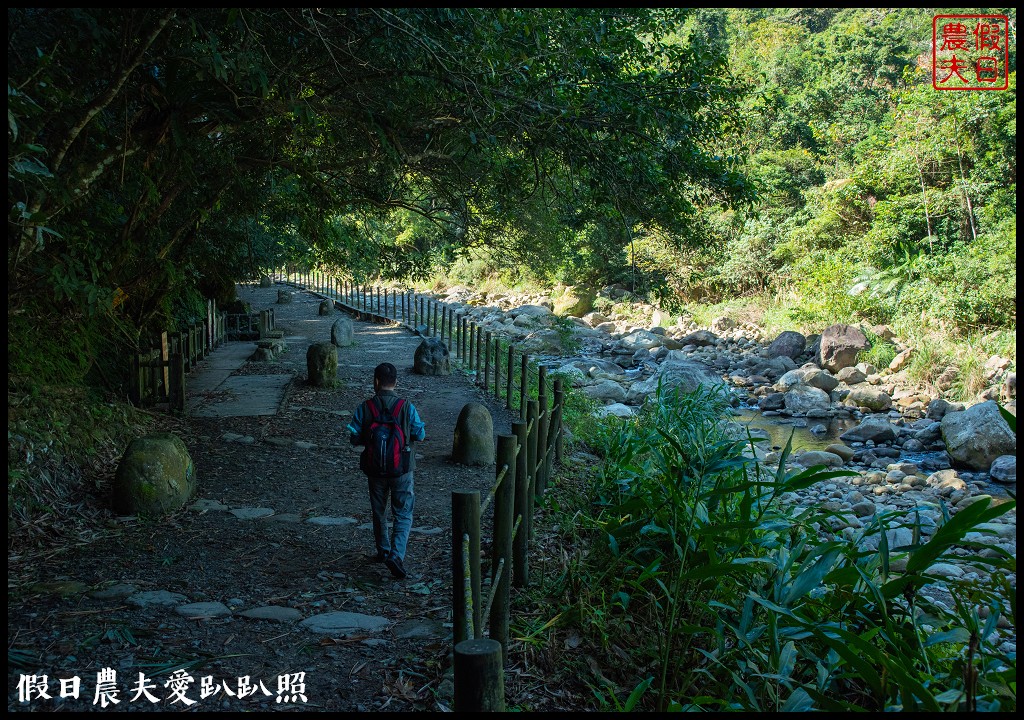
[
  {"x": 322, "y": 364},
  {"x": 641, "y": 340},
  {"x": 474, "y": 436},
  {"x": 868, "y": 396},
  {"x": 266, "y": 282},
  {"x": 700, "y": 338},
  {"x": 327, "y": 307},
  {"x": 804, "y": 398},
  {"x": 342, "y": 332},
  {"x": 875, "y": 428},
  {"x": 432, "y": 357},
  {"x": 530, "y": 314},
  {"x": 155, "y": 476},
  {"x": 839, "y": 346},
  {"x": 977, "y": 436},
  {"x": 684, "y": 375},
  {"x": 607, "y": 391},
  {"x": 789, "y": 343},
  {"x": 808, "y": 375},
  {"x": 284, "y": 296},
  {"x": 1004, "y": 469},
  {"x": 575, "y": 302}
]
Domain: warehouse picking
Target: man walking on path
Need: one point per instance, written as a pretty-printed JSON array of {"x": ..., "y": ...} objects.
[{"x": 383, "y": 424}]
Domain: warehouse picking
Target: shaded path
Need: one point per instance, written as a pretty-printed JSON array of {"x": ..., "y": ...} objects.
[{"x": 275, "y": 541}]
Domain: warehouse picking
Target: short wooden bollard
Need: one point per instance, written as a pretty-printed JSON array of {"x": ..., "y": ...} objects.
[{"x": 479, "y": 676}]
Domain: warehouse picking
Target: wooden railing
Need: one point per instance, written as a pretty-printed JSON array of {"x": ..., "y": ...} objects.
[{"x": 158, "y": 370}]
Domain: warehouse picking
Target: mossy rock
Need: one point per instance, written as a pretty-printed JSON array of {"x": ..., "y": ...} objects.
[
  {"x": 155, "y": 477},
  {"x": 322, "y": 365},
  {"x": 474, "y": 436}
]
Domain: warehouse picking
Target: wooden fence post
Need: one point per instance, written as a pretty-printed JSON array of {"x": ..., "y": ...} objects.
[
  {"x": 532, "y": 423},
  {"x": 521, "y": 541},
  {"x": 523, "y": 387},
  {"x": 508, "y": 380},
  {"x": 501, "y": 548},
  {"x": 176, "y": 399},
  {"x": 497, "y": 368},
  {"x": 544, "y": 413},
  {"x": 465, "y": 606},
  {"x": 479, "y": 342},
  {"x": 487, "y": 361},
  {"x": 559, "y": 402},
  {"x": 462, "y": 338}
]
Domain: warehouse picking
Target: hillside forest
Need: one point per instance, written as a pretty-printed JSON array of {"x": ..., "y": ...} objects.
[{"x": 799, "y": 158}]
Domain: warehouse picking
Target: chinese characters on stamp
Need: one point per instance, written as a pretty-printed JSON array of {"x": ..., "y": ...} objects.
[{"x": 970, "y": 52}]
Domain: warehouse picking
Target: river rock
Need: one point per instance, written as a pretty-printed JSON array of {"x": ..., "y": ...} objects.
[
  {"x": 686, "y": 375},
  {"x": 843, "y": 451},
  {"x": 804, "y": 398},
  {"x": 606, "y": 390},
  {"x": 772, "y": 401},
  {"x": 327, "y": 307},
  {"x": 617, "y": 410},
  {"x": 789, "y": 343},
  {"x": 575, "y": 302},
  {"x": 641, "y": 340},
  {"x": 873, "y": 398},
  {"x": 851, "y": 376},
  {"x": 432, "y": 357},
  {"x": 875, "y": 428},
  {"x": 818, "y": 457},
  {"x": 839, "y": 346},
  {"x": 1004, "y": 469},
  {"x": 977, "y": 436},
  {"x": 474, "y": 436},
  {"x": 938, "y": 408},
  {"x": 700, "y": 338},
  {"x": 808, "y": 375},
  {"x": 572, "y": 374},
  {"x": 155, "y": 476}
]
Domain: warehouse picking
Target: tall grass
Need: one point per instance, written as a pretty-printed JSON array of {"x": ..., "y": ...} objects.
[{"x": 731, "y": 598}]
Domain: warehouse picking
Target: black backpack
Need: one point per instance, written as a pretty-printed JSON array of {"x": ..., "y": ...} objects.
[{"x": 387, "y": 454}]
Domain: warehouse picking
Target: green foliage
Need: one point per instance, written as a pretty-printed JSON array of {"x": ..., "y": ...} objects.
[
  {"x": 61, "y": 444},
  {"x": 880, "y": 352},
  {"x": 748, "y": 603}
]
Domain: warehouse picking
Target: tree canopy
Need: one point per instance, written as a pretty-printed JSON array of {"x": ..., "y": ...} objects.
[{"x": 155, "y": 150}]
